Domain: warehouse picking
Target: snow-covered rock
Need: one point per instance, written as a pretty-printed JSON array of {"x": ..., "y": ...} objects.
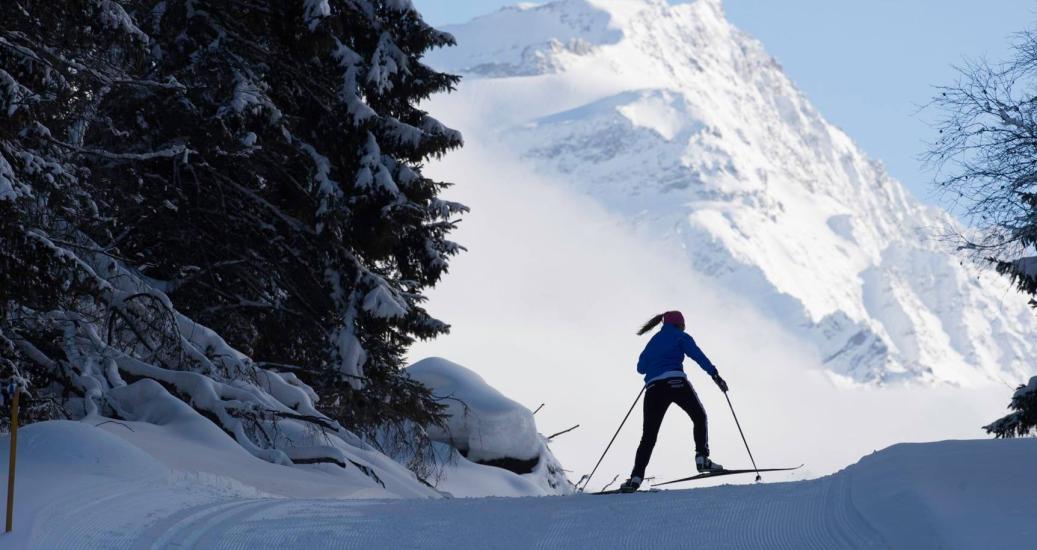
[
  {"x": 686, "y": 127},
  {"x": 487, "y": 428},
  {"x": 482, "y": 423}
]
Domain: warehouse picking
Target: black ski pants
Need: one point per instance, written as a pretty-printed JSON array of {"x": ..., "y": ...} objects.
[{"x": 658, "y": 397}]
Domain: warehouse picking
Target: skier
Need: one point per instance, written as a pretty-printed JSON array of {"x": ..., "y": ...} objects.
[{"x": 661, "y": 363}]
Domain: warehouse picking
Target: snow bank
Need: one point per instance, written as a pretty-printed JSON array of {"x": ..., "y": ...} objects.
[
  {"x": 172, "y": 458},
  {"x": 63, "y": 458},
  {"x": 488, "y": 430},
  {"x": 81, "y": 448},
  {"x": 173, "y": 462},
  {"x": 151, "y": 471},
  {"x": 185, "y": 441}
]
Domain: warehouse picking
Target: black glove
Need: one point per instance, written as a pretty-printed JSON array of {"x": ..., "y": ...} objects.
[{"x": 720, "y": 383}]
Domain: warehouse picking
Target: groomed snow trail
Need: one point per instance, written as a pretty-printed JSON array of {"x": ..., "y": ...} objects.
[
  {"x": 815, "y": 514},
  {"x": 101, "y": 493}
]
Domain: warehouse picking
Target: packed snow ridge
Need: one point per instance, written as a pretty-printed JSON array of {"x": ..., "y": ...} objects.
[{"x": 685, "y": 126}]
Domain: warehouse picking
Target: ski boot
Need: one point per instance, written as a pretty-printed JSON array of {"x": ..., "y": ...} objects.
[
  {"x": 631, "y": 485},
  {"x": 705, "y": 465}
]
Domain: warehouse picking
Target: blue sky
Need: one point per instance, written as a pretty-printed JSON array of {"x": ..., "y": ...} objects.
[{"x": 868, "y": 66}]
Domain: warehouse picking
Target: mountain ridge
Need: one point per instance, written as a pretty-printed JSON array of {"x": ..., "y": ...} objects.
[{"x": 688, "y": 128}]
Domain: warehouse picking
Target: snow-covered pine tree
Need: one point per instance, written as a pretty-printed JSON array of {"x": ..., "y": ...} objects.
[
  {"x": 1024, "y": 418},
  {"x": 253, "y": 168},
  {"x": 55, "y": 63},
  {"x": 310, "y": 232}
]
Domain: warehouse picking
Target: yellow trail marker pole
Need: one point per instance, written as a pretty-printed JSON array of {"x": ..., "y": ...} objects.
[{"x": 14, "y": 452}]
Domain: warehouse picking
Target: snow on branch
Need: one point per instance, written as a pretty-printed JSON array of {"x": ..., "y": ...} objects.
[
  {"x": 114, "y": 17},
  {"x": 373, "y": 172},
  {"x": 10, "y": 189},
  {"x": 351, "y": 355},
  {"x": 329, "y": 192},
  {"x": 1023, "y": 419},
  {"x": 382, "y": 302},
  {"x": 387, "y": 63},
  {"x": 12, "y": 93},
  {"x": 1026, "y": 267},
  {"x": 348, "y": 93},
  {"x": 314, "y": 11},
  {"x": 247, "y": 93},
  {"x": 270, "y": 414},
  {"x": 169, "y": 152}
]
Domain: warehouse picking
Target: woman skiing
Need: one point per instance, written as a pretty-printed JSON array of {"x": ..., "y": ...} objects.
[{"x": 661, "y": 363}]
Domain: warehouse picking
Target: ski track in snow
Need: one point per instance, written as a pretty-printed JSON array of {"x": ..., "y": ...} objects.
[
  {"x": 909, "y": 496},
  {"x": 813, "y": 514}
]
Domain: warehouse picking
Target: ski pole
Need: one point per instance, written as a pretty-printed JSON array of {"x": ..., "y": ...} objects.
[
  {"x": 587, "y": 481},
  {"x": 751, "y": 459}
]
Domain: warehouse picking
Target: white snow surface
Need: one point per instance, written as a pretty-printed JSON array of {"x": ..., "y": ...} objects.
[
  {"x": 483, "y": 426},
  {"x": 179, "y": 437},
  {"x": 173, "y": 467},
  {"x": 482, "y": 422},
  {"x": 685, "y": 128},
  {"x": 86, "y": 487}
]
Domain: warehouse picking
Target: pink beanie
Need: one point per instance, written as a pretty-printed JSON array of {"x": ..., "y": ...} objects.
[{"x": 673, "y": 318}]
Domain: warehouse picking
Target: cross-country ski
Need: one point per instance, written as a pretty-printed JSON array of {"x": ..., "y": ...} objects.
[
  {"x": 621, "y": 492},
  {"x": 720, "y": 473}
]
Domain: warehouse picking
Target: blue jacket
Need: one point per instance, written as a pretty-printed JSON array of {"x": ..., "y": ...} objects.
[{"x": 666, "y": 350}]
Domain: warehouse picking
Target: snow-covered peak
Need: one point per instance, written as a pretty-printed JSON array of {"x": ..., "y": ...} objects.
[
  {"x": 530, "y": 39},
  {"x": 622, "y": 11},
  {"x": 527, "y": 39},
  {"x": 683, "y": 124}
]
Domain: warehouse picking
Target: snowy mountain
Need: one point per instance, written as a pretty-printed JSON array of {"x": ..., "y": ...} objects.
[{"x": 683, "y": 125}]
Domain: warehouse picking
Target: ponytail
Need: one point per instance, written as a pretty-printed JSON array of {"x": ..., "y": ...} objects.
[{"x": 651, "y": 324}]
